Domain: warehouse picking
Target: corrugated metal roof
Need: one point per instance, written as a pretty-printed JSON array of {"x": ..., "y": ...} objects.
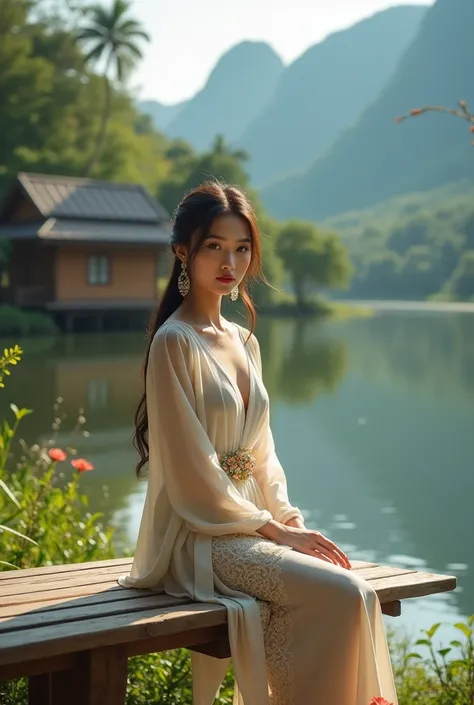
[
  {"x": 102, "y": 231},
  {"x": 67, "y": 197},
  {"x": 89, "y": 231}
]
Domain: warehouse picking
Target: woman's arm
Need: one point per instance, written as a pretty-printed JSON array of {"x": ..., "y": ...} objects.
[
  {"x": 269, "y": 472},
  {"x": 182, "y": 457}
]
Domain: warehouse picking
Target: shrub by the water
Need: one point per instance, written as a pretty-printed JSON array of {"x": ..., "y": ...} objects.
[{"x": 16, "y": 322}]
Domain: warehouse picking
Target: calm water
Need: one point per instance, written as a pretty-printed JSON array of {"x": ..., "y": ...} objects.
[{"x": 373, "y": 421}]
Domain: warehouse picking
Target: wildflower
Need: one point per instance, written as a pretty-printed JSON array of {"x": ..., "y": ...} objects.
[
  {"x": 58, "y": 455},
  {"x": 398, "y": 119},
  {"x": 82, "y": 465},
  {"x": 416, "y": 111},
  {"x": 471, "y": 128},
  {"x": 379, "y": 701}
]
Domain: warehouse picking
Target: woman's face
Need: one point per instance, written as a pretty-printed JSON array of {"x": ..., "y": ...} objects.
[{"x": 223, "y": 257}]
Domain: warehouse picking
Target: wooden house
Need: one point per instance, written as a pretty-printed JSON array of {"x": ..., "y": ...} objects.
[{"x": 85, "y": 251}]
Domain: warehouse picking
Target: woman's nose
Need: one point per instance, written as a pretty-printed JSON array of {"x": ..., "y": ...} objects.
[{"x": 228, "y": 262}]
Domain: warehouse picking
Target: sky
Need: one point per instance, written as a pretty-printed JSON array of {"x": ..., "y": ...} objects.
[{"x": 189, "y": 36}]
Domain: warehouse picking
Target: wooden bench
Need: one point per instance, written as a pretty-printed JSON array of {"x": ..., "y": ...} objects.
[{"x": 71, "y": 628}]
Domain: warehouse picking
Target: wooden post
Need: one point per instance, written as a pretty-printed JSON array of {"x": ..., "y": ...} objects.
[
  {"x": 99, "y": 677},
  {"x": 39, "y": 689}
]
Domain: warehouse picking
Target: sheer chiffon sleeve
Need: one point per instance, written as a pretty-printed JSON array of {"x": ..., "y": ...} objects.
[
  {"x": 198, "y": 489},
  {"x": 269, "y": 472}
]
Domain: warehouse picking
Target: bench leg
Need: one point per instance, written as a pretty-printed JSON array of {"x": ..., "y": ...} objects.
[
  {"x": 393, "y": 609},
  {"x": 99, "y": 677}
]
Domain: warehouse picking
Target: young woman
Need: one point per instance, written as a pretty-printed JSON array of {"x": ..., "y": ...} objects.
[{"x": 217, "y": 524}]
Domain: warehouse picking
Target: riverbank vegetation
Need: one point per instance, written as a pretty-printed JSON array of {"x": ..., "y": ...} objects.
[
  {"x": 414, "y": 247},
  {"x": 44, "y": 520}
]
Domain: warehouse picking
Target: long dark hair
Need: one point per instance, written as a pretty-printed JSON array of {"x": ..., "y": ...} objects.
[{"x": 195, "y": 214}]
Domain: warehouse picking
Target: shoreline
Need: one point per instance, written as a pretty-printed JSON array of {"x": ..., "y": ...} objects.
[{"x": 395, "y": 305}]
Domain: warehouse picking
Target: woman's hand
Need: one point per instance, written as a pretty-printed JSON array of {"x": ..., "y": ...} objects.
[{"x": 314, "y": 543}]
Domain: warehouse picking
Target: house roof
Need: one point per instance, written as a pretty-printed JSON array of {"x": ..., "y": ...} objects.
[
  {"x": 99, "y": 231},
  {"x": 89, "y": 199}
]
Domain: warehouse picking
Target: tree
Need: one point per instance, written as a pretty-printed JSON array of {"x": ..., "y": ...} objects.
[
  {"x": 383, "y": 276},
  {"x": 312, "y": 257},
  {"x": 190, "y": 169},
  {"x": 461, "y": 283},
  {"x": 111, "y": 37}
]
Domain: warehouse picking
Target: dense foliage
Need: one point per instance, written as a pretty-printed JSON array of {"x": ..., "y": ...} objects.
[{"x": 413, "y": 247}]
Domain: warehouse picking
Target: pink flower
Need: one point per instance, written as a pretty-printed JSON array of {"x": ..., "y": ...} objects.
[
  {"x": 82, "y": 465},
  {"x": 379, "y": 701},
  {"x": 56, "y": 454}
]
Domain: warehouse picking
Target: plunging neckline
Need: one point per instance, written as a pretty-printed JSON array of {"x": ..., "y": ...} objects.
[{"x": 219, "y": 362}]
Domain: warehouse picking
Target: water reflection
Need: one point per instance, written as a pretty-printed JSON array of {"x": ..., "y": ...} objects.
[{"x": 373, "y": 421}]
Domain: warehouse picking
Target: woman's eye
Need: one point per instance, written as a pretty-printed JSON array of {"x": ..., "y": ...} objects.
[
  {"x": 213, "y": 245},
  {"x": 244, "y": 248}
]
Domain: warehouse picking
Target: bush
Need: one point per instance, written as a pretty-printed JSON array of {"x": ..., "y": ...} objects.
[{"x": 15, "y": 321}]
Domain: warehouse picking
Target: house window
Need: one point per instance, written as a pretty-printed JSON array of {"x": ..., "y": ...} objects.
[{"x": 98, "y": 269}]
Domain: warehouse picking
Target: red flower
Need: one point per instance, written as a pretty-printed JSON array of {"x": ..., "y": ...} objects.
[
  {"x": 82, "y": 465},
  {"x": 415, "y": 111},
  {"x": 57, "y": 455},
  {"x": 379, "y": 701}
]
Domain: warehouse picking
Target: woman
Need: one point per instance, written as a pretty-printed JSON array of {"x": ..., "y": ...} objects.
[{"x": 217, "y": 524}]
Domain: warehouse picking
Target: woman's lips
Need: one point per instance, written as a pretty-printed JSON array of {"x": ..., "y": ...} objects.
[{"x": 225, "y": 279}]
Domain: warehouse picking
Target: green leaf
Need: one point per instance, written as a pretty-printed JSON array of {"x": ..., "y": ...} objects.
[
  {"x": 413, "y": 654},
  {"x": 17, "y": 533},
  {"x": 456, "y": 643},
  {"x": 459, "y": 663},
  {"x": 464, "y": 629},
  {"x": 10, "y": 494},
  {"x": 10, "y": 565},
  {"x": 470, "y": 620},
  {"x": 443, "y": 652},
  {"x": 432, "y": 630},
  {"x": 424, "y": 642}
]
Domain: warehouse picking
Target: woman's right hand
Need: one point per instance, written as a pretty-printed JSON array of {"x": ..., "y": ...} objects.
[{"x": 313, "y": 543}]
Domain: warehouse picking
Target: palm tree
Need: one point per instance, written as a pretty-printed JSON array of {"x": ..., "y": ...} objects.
[{"x": 110, "y": 37}]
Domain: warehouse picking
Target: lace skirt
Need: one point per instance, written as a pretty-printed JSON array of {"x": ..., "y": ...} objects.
[{"x": 323, "y": 629}]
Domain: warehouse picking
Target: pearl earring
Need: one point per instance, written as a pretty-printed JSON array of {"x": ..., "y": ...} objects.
[{"x": 234, "y": 294}]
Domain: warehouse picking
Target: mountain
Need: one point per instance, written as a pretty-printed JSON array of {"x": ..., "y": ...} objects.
[
  {"x": 324, "y": 90},
  {"x": 236, "y": 91},
  {"x": 162, "y": 114},
  {"x": 376, "y": 158}
]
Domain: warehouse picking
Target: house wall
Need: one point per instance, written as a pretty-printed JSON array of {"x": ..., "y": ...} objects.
[
  {"x": 132, "y": 274},
  {"x": 31, "y": 275}
]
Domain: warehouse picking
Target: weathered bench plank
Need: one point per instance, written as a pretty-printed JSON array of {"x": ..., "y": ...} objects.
[{"x": 71, "y": 628}]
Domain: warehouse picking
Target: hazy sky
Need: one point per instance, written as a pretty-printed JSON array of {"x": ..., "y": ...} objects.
[{"x": 189, "y": 36}]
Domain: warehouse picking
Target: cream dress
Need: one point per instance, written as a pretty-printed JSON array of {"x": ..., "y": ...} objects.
[{"x": 302, "y": 631}]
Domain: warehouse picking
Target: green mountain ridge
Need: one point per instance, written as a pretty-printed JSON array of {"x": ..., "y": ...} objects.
[
  {"x": 325, "y": 89},
  {"x": 237, "y": 90},
  {"x": 375, "y": 158},
  {"x": 161, "y": 113}
]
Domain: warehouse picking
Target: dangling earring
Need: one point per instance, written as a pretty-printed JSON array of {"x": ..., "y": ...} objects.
[
  {"x": 183, "y": 280},
  {"x": 234, "y": 294}
]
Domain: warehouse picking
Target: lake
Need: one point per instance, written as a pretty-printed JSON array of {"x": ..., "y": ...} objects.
[{"x": 373, "y": 420}]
